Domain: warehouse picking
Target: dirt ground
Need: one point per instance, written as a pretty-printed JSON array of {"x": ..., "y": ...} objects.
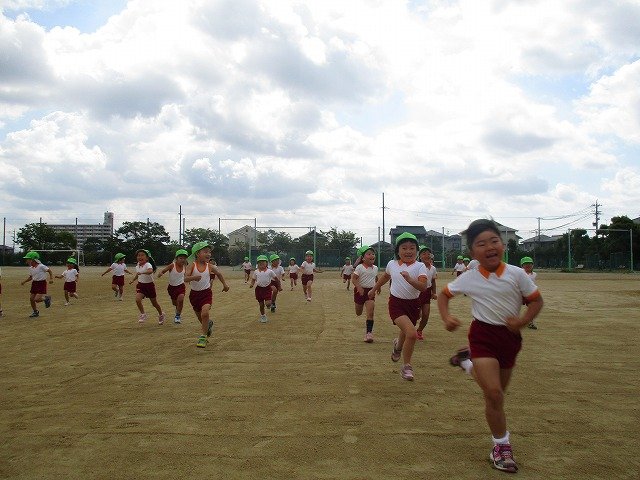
[{"x": 87, "y": 392}]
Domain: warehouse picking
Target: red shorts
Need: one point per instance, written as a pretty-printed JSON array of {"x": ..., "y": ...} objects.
[
  {"x": 293, "y": 276},
  {"x": 247, "y": 271},
  {"x": 346, "y": 277},
  {"x": 117, "y": 280},
  {"x": 273, "y": 284},
  {"x": 425, "y": 297},
  {"x": 458, "y": 273},
  {"x": 39, "y": 287},
  {"x": 401, "y": 306},
  {"x": 70, "y": 287},
  {"x": 200, "y": 298},
  {"x": 146, "y": 289},
  {"x": 494, "y": 341},
  {"x": 306, "y": 278},
  {"x": 361, "y": 299},
  {"x": 175, "y": 291},
  {"x": 263, "y": 294}
]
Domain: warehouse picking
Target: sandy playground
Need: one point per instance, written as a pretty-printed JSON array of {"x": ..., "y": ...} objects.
[{"x": 86, "y": 392}]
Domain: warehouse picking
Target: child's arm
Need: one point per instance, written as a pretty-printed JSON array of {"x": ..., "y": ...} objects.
[
  {"x": 419, "y": 283},
  {"x": 28, "y": 279},
  {"x": 384, "y": 278},
  {"x": 434, "y": 295},
  {"x": 533, "y": 309},
  {"x": 106, "y": 271},
  {"x": 127, "y": 271},
  {"x": 50, "y": 272},
  {"x": 59, "y": 276},
  {"x": 450, "y": 322},
  {"x": 165, "y": 270},
  {"x": 214, "y": 269}
]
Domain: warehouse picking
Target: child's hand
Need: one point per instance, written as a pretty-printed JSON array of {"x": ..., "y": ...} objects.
[
  {"x": 434, "y": 296},
  {"x": 405, "y": 275},
  {"x": 225, "y": 288},
  {"x": 514, "y": 324},
  {"x": 372, "y": 294},
  {"x": 451, "y": 323},
  {"x": 360, "y": 291},
  {"x": 280, "y": 289}
]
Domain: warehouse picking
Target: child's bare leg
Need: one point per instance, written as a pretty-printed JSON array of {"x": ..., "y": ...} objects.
[
  {"x": 424, "y": 318},
  {"x": 139, "y": 297},
  {"x": 204, "y": 318},
  {"x": 261, "y": 303},
  {"x": 493, "y": 381},
  {"x": 179, "y": 304},
  {"x": 32, "y": 300},
  {"x": 406, "y": 338},
  {"x": 114, "y": 287},
  {"x": 359, "y": 309},
  {"x": 66, "y": 296},
  {"x": 309, "y": 289},
  {"x": 154, "y": 302}
]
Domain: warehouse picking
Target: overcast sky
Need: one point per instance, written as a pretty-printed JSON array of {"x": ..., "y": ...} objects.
[{"x": 301, "y": 113}]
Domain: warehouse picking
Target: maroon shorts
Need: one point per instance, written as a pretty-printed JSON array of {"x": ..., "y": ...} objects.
[
  {"x": 494, "y": 341},
  {"x": 425, "y": 297},
  {"x": 70, "y": 287},
  {"x": 175, "y": 291},
  {"x": 458, "y": 273},
  {"x": 293, "y": 276},
  {"x": 346, "y": 277},
  {"x": 306, "y": 278},
  {"x": 273, "y": 284},
  {"x": 263, "y": 294},
  {"x": 200, "y": 298},
  {"x": 117, "y": 280},
  {"x": 247, "y": 271},
  {"x": 401, "y": 306},
  {"x": 361, "y": 299},
  {"x": 147, "y": 289},
  {"x": 39, "y": 287}
]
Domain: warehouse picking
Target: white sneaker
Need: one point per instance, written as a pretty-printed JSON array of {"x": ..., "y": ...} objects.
[
  {"x": 66, "y": 303},
  {"x": 263, "y": 319},
  {"x": 308, "y": 299}
]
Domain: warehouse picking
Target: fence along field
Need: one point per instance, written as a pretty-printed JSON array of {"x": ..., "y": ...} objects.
[{"x": 88, "y": 393}]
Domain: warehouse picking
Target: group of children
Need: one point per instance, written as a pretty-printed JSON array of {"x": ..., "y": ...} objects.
[{"x": 497, "y": 291}]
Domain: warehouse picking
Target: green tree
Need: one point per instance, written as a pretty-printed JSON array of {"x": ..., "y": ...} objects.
[
  {"x": 65, "y": 241},
  {"x": 36, "y": 236},
  {"x": 149, "y": 235},
  {"x": 219, "y": 243},
  {"x": 275, "y": 241},
  {"x": 343, "y": 241}
]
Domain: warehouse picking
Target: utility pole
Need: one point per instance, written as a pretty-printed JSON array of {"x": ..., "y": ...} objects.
[
  {"x": 383, "y": 209},
  {"x": 180, "y": 226},
  {"x": 597, "y": 212}
]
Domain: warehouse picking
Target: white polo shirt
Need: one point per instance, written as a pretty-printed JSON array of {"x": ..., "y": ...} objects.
[
  {"x": 366, "y": 275},
  {"x": 39, "y": 272},
  {"x": 347, "y": 269},
  {"x": 118, "y": 269},
  {"x": 263, "y": 277},
  {"x": 307, "y": 268},
  {"x": 495, "y": 295},
  {"x": 70, "y": 275},
  {"x": 432, "y": 274},
  {"x": 293, "y": 268},
  {"x": 400, "y": 288},
  {"x": 144, "y": 277}
]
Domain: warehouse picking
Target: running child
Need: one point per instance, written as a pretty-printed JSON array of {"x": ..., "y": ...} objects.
[
  {"x": 246, "y": 266},
  {"x": 526, "y": 263},
  {"x": 201, "y": 296},
  {"x": 408, "y": 278},
  {"x": 38, "y": 278},
  {"x": 145, "y": 288},
  {"x": 496, "y": 290},
  {"x": 308, "y": 269},
  {"x": 293, "y": 272},
  {"x": 263, "y": 277},
  {"x": 459, "y": 267},
  {"x": 276, "y": 286},
  {"x": 118, "y": 268},
  {"x": 70, "y": 275},
  {"x": 429, "y": 294},
  {"x": 176, "y": 288},
  {"x": 347, "y": 271},
  {"x": 364, "y": 277}
]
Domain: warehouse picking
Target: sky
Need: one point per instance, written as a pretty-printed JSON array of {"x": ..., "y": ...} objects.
[{"x": 304, "y": 113}]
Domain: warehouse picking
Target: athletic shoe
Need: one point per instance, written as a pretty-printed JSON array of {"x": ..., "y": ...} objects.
[
  {"x": 120, "y": 298},
  {"x": 292, "y": 289},
  {"x": 368, "y": 337},
  {"x": 35, "y": 314},
  {"x": 407, "y": 372},
  {"x": 460, "y": 355},
  {"x": 210, "y": 328},
  {"x": 177, "y": 318},
  {"x": 263, "y": 319},
  {"x": 308, "y": 299},
  {"x": 161, "y": 318},
  {"x": 142, "y": 318},
  {"x": 66, "y": 304},
  {"x": 395, "y": 353},
  {"x": 116, "y": 292},
  {"x": 502, "y": 458},
  {"x": 419, "y": 335},
  {"x": 273, "y": 307},
  {"x": 533, "y": 326},
  {"x": 202, "y": 341},
  {"x": 47, "y": 301}
]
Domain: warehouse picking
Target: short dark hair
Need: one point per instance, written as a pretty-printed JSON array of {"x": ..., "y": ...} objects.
[{"x": 478, "y": 226}]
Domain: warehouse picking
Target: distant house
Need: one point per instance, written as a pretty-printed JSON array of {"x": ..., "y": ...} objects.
[
  {"x": 417, "y": 230},
  {"x": 636, "y": 220},
  {"x": 6, "y": 250},
  {"x": 507, "y": 233},
  {"x": 541, "y": 241},
  {"x": 244, "y": 236},
  {"x": 382, "y": 246},
  {"x": 307, "y": 238}
]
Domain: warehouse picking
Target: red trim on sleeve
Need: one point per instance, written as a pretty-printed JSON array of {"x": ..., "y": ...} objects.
[
  {"x": 533, "y": 296},
  {"x": 446, "y": 292}
]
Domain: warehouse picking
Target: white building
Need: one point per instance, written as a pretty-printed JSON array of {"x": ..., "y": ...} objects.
[{"x": 82, "y": 232}]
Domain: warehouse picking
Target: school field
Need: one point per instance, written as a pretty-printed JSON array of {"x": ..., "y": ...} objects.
[{"x": 86, "y": 392}]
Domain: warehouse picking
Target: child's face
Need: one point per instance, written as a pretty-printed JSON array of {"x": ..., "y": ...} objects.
[
  {"x": 527, "y": 267},
  {"x": 347, "y": 262},
  {"x": 69, "y": 266},
  {"x": 408, "y": 252},
  {"x": 425, "y": 256},
  {"x": 181, "y": 260},
  {"x": 262, "y": 265},
  {"x": 274, "y": 263},
  {"x": 309, "y": 258},
  {"x": 121, "y": 261},
  {"x": 142, "y": 258},
  {"x": 369, "y": 257},
  {"x": 488, "y": 249},
  {"x": 204, "y": 255},
  {"x": 292, "y": 262}
]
